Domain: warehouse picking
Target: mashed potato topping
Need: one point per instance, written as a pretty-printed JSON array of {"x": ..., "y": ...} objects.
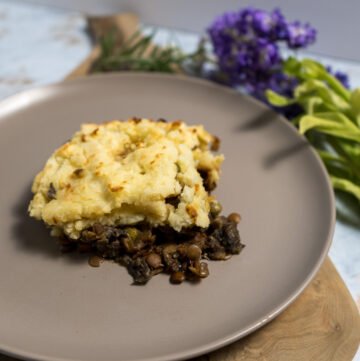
[{"x": 125, "y": 172}]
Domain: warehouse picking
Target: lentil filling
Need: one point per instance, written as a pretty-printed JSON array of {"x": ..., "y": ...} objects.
[{"x": 146, "y": 251}]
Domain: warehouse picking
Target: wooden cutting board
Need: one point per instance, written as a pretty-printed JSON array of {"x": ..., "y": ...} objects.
[{"x": 323, "y": 324}]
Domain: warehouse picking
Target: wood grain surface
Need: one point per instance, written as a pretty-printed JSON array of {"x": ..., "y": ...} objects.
[
  {"x": 323, "y": 324},
  {"x": 124, "y": 24}
]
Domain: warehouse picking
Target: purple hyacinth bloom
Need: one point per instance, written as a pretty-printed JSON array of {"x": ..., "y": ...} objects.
[
  {"x": 262, "y": 22},
  {"x": 280, "y": 30},
  {"x": 299, "y": 35},
  {"x": 343, "y": 79},
  {"x": 246, "y": 45},
  {"x": 246, "y": 16},
  {"x": 269, "y": 25},
  {"x": 243, "y": 58},
  {"x": 267, "y": 54},
  {"x": 339, "y": 75}
]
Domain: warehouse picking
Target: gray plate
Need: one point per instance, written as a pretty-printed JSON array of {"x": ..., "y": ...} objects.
[{"x": 55, "y": 307}]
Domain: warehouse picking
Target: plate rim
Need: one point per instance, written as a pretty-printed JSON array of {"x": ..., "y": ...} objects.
[{"x": 26, "y": 97}]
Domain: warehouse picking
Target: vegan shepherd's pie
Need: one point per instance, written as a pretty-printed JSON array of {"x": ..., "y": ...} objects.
[{"x": 138, "y": 192}]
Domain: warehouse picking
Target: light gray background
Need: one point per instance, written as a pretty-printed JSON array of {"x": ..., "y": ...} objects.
[{"x": 337, "y": 21}]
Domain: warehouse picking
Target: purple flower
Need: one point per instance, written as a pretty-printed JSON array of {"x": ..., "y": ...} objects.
[
  {"x": 269, "y": 25},
  {"x": 280, "y": 29},
  {"x": 246, "y": 40},
  {"x": 341, "y": 76},
  {"x": 262, "y": 22},
  {"x": 299, "y": 35},
  {"x": 246, "y": 45},
  {"x": 267, "y": 54},
  {"x": 343, "y": 79}
]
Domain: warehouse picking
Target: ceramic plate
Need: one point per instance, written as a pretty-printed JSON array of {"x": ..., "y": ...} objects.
[{"x": 55, "y": 307}]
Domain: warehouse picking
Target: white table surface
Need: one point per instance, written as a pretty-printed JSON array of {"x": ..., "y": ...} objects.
[{"x": 41, "y": 45}]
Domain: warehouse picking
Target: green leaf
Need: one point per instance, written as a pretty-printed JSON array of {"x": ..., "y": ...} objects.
[
  {"x": 277, "y": 99},
  {"x": 316, "y": 88},
  {"x": 337, "y": 117},
  {"x": 306, "y": 69},
  {"x": 296, "y": 120},
  {"x": 337, "y": 129},
  {"x": 327, "y": 156},
  {"x": 331, "y": 120},
  {"x": 353, "y": 151},
  {"x": 333, "y": 159},
  {"x": 335, "y": 164},
  {"x": 311, "y": 104},
  {"x": 292, "y": 66},
  {"x": 315, "y": 104},
  {"x": 355, "y": 105},
  {"x": 346, "y": 186},
  {"x": 346, "y": 149}
]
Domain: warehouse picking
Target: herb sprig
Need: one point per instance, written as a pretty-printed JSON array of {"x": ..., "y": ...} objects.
[{"x": 139, "y": 53}]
